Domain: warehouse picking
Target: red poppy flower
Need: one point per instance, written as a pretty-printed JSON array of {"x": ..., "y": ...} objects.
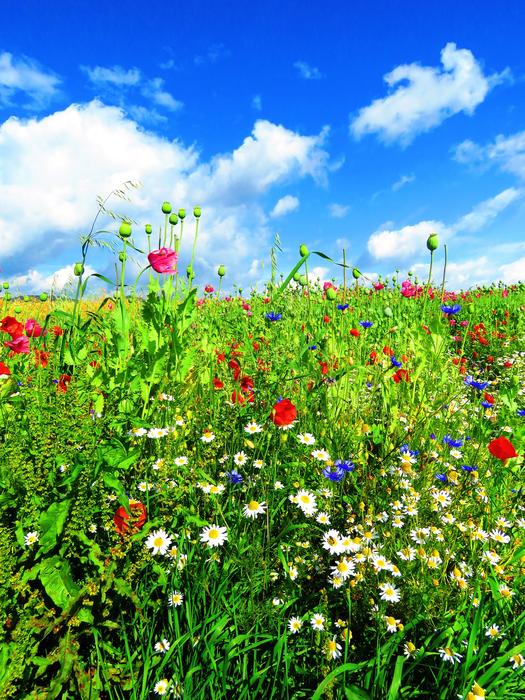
[
  {"x": 326, "y": 319},
  {"x": 57, "y": 330},
  {"x": 283, "y": 412},
  {"x": 4, "y": 370},
  {"x": 132, "y": 521},
  {"x": 324, "y": 367},
  {"x": 10, "y": 325},
  {"x": 501, "y": 448},
  {"x": 488, "y": 398},
  {"x": 354, "y": 332},
  {"x": 217, "y": 383},
  {"x": 246, "y": 384},
  {"x": 240, "y": 398},
  {"x": 41, "y": 358},
  {"x": 401, "y": 374},
  {"x": 236, "y": 369},
  {"x": 63, "y": 383},
  {"x": 388, "y": 351}
]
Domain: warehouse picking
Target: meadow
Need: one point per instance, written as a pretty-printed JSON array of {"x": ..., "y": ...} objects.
[{"x": 313, "y": 491}]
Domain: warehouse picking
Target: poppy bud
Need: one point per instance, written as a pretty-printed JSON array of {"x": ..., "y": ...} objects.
[
  {"x": 303, "y": 281},
  {"x": 432, "y": 242},
  {"x": 26, "y": 298},
  {"x": 18, "y": 309},
  {"x": 43, "y": 296},
  {"x": 5, "y": 285},
  {"x": 196, "y": 212},
  {"x": 356, "y": 274},
  {"x": 182, "y": 213},
  {"x": 303, "y": 250},
  {"x": 470, "y": 308},
  {"x": 296, "y": 277},
  {"x": 124, "y": 230},
  {"x": 122, "y": 256},
  {"x": 166, "y": 208},
  {"x": 174, "y": 219},
  {"x": 221, "y": 270},
  {"x": 331, "y": 294},
  {"x": 78, "y": 269},
  {"x": 148, "y": 229},
  {"x": 410, "y": 273}
]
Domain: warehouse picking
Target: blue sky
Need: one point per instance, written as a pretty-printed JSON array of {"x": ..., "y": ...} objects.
[{"x": 363, "y": 125}]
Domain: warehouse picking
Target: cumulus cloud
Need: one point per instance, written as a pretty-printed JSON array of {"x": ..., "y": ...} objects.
[
  {"x": 476, "y": 272},
  {"x": 308, "y": 72},
  {"x": 338, "y": 211},
  {"x": 25, "y": 75},
  {"x": 33, "y": 281},
  {"x": 401, "y": 244},
  {"x": 285, "y": 205},
  {"x": 59, "y": 165},
  {"x": 505, "y": 152},
  {"x": 422, "y": 97}
]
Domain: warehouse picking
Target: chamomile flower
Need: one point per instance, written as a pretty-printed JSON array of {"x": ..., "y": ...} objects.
[
  {"x": 409, "y": 649},
  {"x": 240, "y": 459},
  {"x": 295, "y": 624},
  {"x": 156, "y": 433},
  {"x": 493, "y": 632},
  {"x": 389, "y": 593},
  {"x": 31, "y": 538},
  {"x": 499, "y": 536},
  {"x": 258, "y": 463},
  {"x": 162, "y": 647},
  {"x": 306, "y": 502},
  {"x": 332, "y": 542},
  {"x": 333, "y": 649},
  {"x": 137, "y": 432},
  {"x": 321, "y": 455},
  {"x": 208, "y": 436},
  {"x": 181, "y": 461},
  {"x": 344, "y": 568},
  {"x": 391, "y": 623},
  {"x": 306, "y": 438},
  {"x": 214, "y": 536},
  {"x": 447, "y": 654},
  {"x": 317, "y": 622},
  {"x": 293, "y": 572},
  {"x": 253, "y": 428},
  {"x": 323, "y": 518},
  {"x": 161, "y": 688},
  {"x": 253, "y": 509},
  {"x": 175, "y": 599},
  {"x": 517, "y": 661},
  {"x": 278, "y": 485},
  {"x": 158, "y": 542}
]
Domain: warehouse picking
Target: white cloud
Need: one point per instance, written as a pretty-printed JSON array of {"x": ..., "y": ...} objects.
[
  {"x": 308, "y": 72},
  {"x": 118, "y": 76},
  {"x": 400, "y": 244},
  {"x": 25, "y": 75},
  {"x": 506, "y": 152},
  {"x": 513, "y": 272},
  {"x": 154, "y": 90},
  {"x": 59, "y": 165},
  {"x": 338, "y": 211},
  {"x": 257, "y": 102},
  {"x": 285, "y": 205},
  {"x": 403, "y": 180},
  {"x": 34, "y": 281},
  {"x": 475, "y": 272},
  {"x": 320, "y": 272},
  {"x": 425, "y": 96}
]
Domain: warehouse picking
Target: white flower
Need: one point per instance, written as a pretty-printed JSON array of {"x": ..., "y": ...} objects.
[
  {"x": 321, "y": 455},
  {"x": 278, "y": 485},
  {"x": 207, "y": 436},
  {"x": 389, "y": 593},
  {"x": 156, "y": 433},
  {"x": 391, "y": 623},
  {"x": 448, "y": 655},
  {"x": 343, "y": 568},
  {"x": 306, "y": 438},
  {"x": 175, "y": 599},
  {"x": 253, "y": 509},
  {"x": 240, "y": 458},
  {"x": 253, "y": 428},
  {"x": 499, "y": 536},
  {"x": 161, "y": 688},
  {"x": 293, "y": 572},
  {"x": 493, "y": 632},
  {"x": 162, "y": 647},
  {"x": 181, "y": 461},
  {"x": 333, "y": 649},
  {"x": 295, "y": 624},
  {"x": 31, "y": 538},
  {"x": 306, "y": 502},
  {"x": 158, "y": 542},
  {"x": 317, "y": 622},
  {"x": 258, "y": 463},
  {"x": 214, "y": 536},
  {"x": 137, "y": 432},
  {"x": 332, "y": 542},
  {"x": 323, "y": 518}
]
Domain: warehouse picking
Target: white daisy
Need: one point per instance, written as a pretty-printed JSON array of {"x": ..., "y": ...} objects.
[
  {"x": 333, "y": 649},
  {"x": 317, "y": 622},
  {"x": 158, "y": 542},
  {"x": 389, "y": 593},
  {"x": 321, "y": 455},
  {"x": 161, "y": 688},
  {"x": 207, "y": 436},
  {"x": 295, "y": 624},
  {"x": 253, "y": 428},
  {"x": 181, "y": 461},
  {"x": 162, "y": 647},
  {"x": 31, "y": 538},
  {"x": 240, "y": 458},
  {"x": 451, "y": 656},
  {"x": 175, "y": 599},
  {"x": 306, "y": 501},
  {"x": 323, "y": 518},
  {"x": 254, "y": 509},
  {"x": 214, "y": 536},
  {"x": 306, "y": 438}
]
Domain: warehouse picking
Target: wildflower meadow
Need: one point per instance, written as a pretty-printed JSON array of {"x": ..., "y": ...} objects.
[{"x": 310, "y": 490}]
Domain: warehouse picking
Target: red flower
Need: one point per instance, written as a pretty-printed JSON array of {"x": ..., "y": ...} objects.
[
  {"x": 63, "y": 383},
  {"x": 10, "y": 325},
  {"x": 354, "y": 332},
  {"x": 4, "y": 370},
  {"x": 136, "y": 517},
  {"x": 209, "y": 289},
  {"x": 218, "y": 384},
  {"x": 283, "y": 412},
  {"x": 236, "y": 368},
  {"x": 19, "y": 344},
  {"x": 501, "y": 448},
  {"x": 488, "y": 398},
  {"x": 41, "y": 358},
  {"x": 324, "y": 367},
  {"x": 246, "y": 384},
  {"x": 326, "y": 319},
  {"x": 238, "y": 397},
  {"x": 401, "y": 374},
  {"x": 57, "y": 330},
  {"x": 388, "y": 351}
]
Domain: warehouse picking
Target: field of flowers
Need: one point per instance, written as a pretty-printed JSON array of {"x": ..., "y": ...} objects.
[{"x": 312, "y": 492}]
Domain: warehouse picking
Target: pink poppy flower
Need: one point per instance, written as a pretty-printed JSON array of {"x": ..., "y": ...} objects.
[
  {"x": 32, "y": 328},
  {"x": 18, "y": 345},
  {"x": 164, "y": 260}
]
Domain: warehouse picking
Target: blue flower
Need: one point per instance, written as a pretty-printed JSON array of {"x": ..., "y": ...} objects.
[
  {"x": 312, "y": 347},
  {"x": 448, "y": 440},
  {"x": 476, "y": 385},
  {"x": 345, "y": 464},
  {"x": 234, "y": 477},
  {"x": 486, "y": 404},
  {"x": 342, "y": 307},
  {"x": 450, "y": 310},
  {"x": 395, "y": 363},
  {"x": 442, "y": 477},
  {"x": 405, "y": 448},
  {"x": 334, "y": 474},
  {"x": 432, "y": 436},
  {"x": 272, "y": 316},
  {"x": 521, "y": 411},
  {"x": 366, "y": 324},
  {"x": 467, "y": 468}
]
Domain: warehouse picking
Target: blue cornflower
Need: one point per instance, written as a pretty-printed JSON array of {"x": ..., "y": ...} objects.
[
  {"x": 345, "y": 464},
  {"x": 342, "y": 307},
  {"x": 366, "y": 324},
  {"x": 521, "y": 411},
  {"x": 450, "y": 310},
  {"x": 476, "y": 385},
  {"x": 448, "y": 440},
  {"x": 272, "y": 316},
  {"x": 395, "y": 363},
  {"x": 432, "y": 436},
  {"x": 442, "y": 477},
  {"x": 405, "y": 448},
  {"x": 486, "y": 404},
  {"x": 467, "y": 468},
  {"x": 312, "y": 347},
  {"x": 334, "y": 474},
  {"x": 234, "y": 477}
]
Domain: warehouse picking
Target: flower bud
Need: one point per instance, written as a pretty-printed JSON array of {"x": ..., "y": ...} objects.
[
  {"x": 303, "y": 250},
  {"x": 182, "y": 213},
  {"x": 5, "y": 285},
  {"x": 432, "y": 242},
  {"x": 78, "y": 269},
  {"x": 471, "y": 308},
  {"x": 166, "y": 208},
  {"x": 122, "y": 256},
  {"x": 331, "y": 294},
  {"x": 296, "y": 277},
  {"x": 174, "y": 219},
  {"x": 124, "y": 230},
  {"x": 196, "y": 212},
  {"x": 356, "y": 274},
  {"x": 410, "y": 273},
  {"x": 26, "y": 298},
  {"x": 7, "y": 296},
  {"x": 43, "y": 296},
  {"x": 18, "y": 309},
  {"x": 148, "y": 229},
  {"x": 303, "y": 281},
  {"x": 221, "y": 270}
]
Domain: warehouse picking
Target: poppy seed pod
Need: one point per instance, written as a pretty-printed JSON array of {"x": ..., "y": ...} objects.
[
  {"x": 303, "y": 281},
  {"x": 356, "y": 274},
  {"x": 432, "y": 242},
  {"x": 124, "y": 230},
  {"x": 196, "y": 212},
  {"x": 166, "y": 208},
  {"x": 303, "y": 250},
  {"x": 122, "y": 256},
  {"x": 78, "y": 269},
  {"x": 43, "y": 297},
  {"x": 148, "y": 228},
  {"x": 182, "y": 213},
  {"x": 26, "y": 298},
  {"x": 296, "y": 277},
  {"x": 331, "y": 294},
  {"x": 174, "y": 219},
  {"x": 221, "y": 270},
  {"x": 5, "y": 285}
]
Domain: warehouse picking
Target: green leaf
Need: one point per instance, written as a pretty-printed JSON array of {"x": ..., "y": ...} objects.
[
  {"x": 55, "y": 576},
  {"x": 52, "y": 523}
]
